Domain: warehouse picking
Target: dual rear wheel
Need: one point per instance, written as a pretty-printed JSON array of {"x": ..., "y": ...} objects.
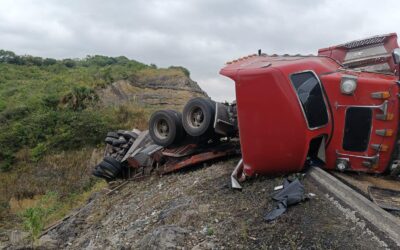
[
  {"x": 198, "y": 117},
  {"x": 169, "y": 127},
  {"x": 165, "y": 127}
]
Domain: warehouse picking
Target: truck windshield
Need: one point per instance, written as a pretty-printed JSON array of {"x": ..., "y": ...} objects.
[{"x": 309, "y": 92}]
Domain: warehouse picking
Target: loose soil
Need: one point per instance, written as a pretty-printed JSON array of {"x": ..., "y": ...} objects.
[{"x": 197, "y": 209}]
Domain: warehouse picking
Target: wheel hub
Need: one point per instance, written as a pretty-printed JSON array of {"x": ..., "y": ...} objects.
[
  {"x": 161, "y": 129},
  {"x": 196, "y": 117}
]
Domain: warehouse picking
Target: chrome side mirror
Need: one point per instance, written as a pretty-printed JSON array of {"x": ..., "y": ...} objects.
[{"x": 396, "y": 55}]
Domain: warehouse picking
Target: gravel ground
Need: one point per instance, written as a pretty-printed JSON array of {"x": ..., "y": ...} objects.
[{"x": 197, "y": 209}]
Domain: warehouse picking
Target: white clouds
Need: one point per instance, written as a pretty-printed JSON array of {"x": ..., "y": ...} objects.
[{"x": 198, "y": 34}]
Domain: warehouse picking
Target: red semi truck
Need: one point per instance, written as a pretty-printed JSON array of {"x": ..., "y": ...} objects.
[{"x": 338, "y": 110}]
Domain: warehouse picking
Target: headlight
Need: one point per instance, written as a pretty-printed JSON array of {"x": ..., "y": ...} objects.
[
  {"x": 348, "y": 85},
  {"x": 342, "y": 164}
]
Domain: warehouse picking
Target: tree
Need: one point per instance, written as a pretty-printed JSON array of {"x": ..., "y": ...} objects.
[
  {"x": 49, "y": 61},
  {"x": 6, "y": 56},
  {"x": 69, "y": 63}
]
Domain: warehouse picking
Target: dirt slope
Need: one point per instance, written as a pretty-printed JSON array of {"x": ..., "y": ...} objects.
[
  {"x": 197, "y": 209},
  {"x": 167, "y": 87}
]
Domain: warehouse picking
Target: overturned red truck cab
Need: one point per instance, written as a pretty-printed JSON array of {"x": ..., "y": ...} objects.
[{"x": 339, "y": 109}]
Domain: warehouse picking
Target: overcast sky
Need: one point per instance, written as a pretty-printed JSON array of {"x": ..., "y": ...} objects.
[{"x": 200, "y": 35}]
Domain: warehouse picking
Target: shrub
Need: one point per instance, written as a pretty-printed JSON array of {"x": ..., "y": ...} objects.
[
  {"x": 6, "y": 163},
  {"x": 49, "y": 61},
  {"x": 183, "y": 69},
  {"x": 34, "y": 218},
  {"x": 51, "y": 101},
  {"x": 69, "y": 63},
  {"x": 4, "y": 208},
  {"x": 14, "y": 113},
  {"x": 38, "y": 152},
  {"x": 210, "y": 231},
  {"x": 80, "y": 98}
]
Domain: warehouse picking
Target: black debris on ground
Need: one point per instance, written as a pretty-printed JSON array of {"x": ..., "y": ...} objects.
[{"x": 292, "y": 193}]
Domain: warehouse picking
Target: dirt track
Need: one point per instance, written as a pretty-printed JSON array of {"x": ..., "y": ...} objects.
[{"x": 199, "y": 209}]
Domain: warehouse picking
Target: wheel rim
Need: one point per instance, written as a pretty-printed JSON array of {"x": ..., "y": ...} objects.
[
  {"x": 161, "y": 129},
  {"x": 195, "y": 117}
]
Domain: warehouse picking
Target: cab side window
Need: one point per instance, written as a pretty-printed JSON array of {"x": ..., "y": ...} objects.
[{"x": 309, "y": 92}]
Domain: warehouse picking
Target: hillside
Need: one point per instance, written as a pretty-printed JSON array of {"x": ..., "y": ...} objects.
[{"x": 54, "y": 115}]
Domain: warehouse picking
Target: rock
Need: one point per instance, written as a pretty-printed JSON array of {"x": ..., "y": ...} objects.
[
  {"x": 47, "y": 242},
  {"x": 17, "y": 236},
  {"x": 204, "y": 246},
  {"x": 159, "y": 80},
  {"x": 159, "y": 90},
  {"x": 4, "y": 237},
  {"x": 173, "y": 207},
  {"x": 204, "y": 208},
  {"x": 188, "y": 217},
  {"x": 165, "y": 237}
]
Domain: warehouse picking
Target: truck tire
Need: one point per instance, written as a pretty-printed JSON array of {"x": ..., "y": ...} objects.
[
  {"x": 96, "y": 172},
  {"x": 118, "y": 142},
  {"x": 165, "y": 127},
  {"x": 99, "y": 172},
  {"x": 198, "y": 116},
  {"x": 130, "y": 135},
  {"x": 120, "y": 132},
  {"x": 180, "y": 131},
  {"x": 113, "y": 135},
  {"x": 109, "y": 169},
  {"x": 116, "y": 164},
  {"x": 109, "y": 140}
]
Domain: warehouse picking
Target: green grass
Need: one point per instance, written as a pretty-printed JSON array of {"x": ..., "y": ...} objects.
[
  {"x": 50, "y": 105},
  {"x": 210, "y": 231},
  {"x": 51, "y": 122},
  {"x": 52, "y": 207},
  {"x": 34, "y": 217},
  {"x": 53, "y": 107}
]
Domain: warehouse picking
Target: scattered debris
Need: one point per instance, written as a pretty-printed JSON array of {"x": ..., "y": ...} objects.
[
  {"x": 292, "y": 193},
  {"x": 311, "y": 195},
  {"x": 237, "y": 176},
  {"x": 165, "y": 237},
  {"x": 117, "y": 188},
  {"x": 388, "y": 199}
]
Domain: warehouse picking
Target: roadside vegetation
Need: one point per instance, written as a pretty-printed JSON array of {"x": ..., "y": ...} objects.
[
  {"x": 50, "y": 207},
  {"x": 48, "y": 104},
  {"x": 52, "y": 123}
]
